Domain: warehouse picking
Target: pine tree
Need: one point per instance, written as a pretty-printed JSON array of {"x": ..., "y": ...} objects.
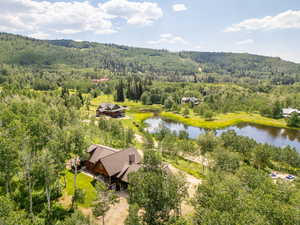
[
  {"x": 120, "y": 92},
  {"x": 79, "y": 94}
]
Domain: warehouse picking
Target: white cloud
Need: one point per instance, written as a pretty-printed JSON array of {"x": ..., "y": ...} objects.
[
  {"x": 198, "y": 47},
  {"x": 45, "y": 17},
  {"x": 53, "y": 17},
  {"x": 169, "y": 39},
  {"x": 39, "y": 35},
  {"x": 179, "y": 7},
  {"x": 286, "y": 20},
  {"x": 142, "y": 13},
  {"x": 68, "y": 31},
  {"x": 245, "y": 42}
]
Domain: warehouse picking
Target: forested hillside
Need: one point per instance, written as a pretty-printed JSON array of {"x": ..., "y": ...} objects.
[
  {"x": 15, "y": 49},
  {"x": 241, "y": 63},
  {"x": 26, "y": 51}
]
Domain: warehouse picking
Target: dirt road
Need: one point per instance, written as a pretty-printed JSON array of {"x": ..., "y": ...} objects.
[{"x": 193, "y": 183}]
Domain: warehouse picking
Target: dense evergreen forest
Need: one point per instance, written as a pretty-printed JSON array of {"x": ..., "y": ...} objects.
[{"x": 50, "y": 89}]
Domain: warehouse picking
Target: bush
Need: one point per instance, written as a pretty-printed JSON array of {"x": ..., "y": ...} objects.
[{"x": 293, "y": 120}]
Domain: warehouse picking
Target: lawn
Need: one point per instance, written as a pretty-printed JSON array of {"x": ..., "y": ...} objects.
[{"x": 84, "y": 182}]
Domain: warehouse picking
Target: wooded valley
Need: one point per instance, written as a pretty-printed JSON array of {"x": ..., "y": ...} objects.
[{"x": 50, "y": 91}]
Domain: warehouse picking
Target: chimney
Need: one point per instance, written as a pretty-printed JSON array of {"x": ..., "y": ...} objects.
[{"x": 131, "y": 159}]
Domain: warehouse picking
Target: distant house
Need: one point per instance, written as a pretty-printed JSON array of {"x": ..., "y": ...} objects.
[
  {"x": 100, "y": 80},
  {"x": 192, "y": 100},
  {"x": 288, "y": 111},
  {"x": 113, "y": 165},
  {"x": 110, "y": 109}
]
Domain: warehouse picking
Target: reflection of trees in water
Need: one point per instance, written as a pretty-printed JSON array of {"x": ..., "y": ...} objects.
[
  {"x": 251, "y": 130},
  {"x": 272, "y": 131},
  {"x": 243, "y": 125},
  {"x": 292, "y": 135},
  {"x": 275, "y": 132},
  {"x": 207, "y": 130}
]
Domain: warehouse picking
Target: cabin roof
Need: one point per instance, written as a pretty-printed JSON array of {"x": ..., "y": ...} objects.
[
  {"x": 190, "y": 99},
  {"x": 99, "y": 152},
  {"x": 115, "y": 162},
  {"x": 127, "y": 169},
  {"x": 109, "y": 107}
]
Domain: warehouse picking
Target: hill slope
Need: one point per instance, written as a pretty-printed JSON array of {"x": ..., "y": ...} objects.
[
  {"x": 233, "y": 63},
  {"x": 24, "y": 51},
  {"x": 15, "y": 49}
]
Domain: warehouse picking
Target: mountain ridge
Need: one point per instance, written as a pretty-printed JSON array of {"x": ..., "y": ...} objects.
[{"x": 26, "y": 51}]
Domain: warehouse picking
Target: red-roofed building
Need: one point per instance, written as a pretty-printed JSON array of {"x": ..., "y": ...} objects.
[{"x": 100, "y": 80}]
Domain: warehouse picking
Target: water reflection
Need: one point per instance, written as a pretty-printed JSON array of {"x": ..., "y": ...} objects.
[{"x": 279, "y": 137}]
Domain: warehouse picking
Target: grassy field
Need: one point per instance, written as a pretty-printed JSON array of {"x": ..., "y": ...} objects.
[{"x": 84, "y": 182}]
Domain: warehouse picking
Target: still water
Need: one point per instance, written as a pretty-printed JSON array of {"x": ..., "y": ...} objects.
[{"x": 279, "y": 137}]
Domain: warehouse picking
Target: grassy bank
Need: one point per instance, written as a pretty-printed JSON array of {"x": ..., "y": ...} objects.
[{"x": 226, "y": 120}]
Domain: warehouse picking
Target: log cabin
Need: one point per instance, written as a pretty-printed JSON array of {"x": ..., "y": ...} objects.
[
  {"x": 113, "y": 165},
  {"x": 109, "y": 109}
]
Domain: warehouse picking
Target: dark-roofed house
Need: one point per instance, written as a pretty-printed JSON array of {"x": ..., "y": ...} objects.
[
  {"x": 110, "y": 109},
  {"x": 114, "y": 165}
]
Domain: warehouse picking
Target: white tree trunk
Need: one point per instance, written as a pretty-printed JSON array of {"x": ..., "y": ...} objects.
[
  {"x": 75, "y": 180},
  {"x": 29, "y": 181},
  {"x": 48, "y": 195},
  {"x": 30, "y": 195}
]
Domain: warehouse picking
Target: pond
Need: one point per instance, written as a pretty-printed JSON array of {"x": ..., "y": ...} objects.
[{"x": 279, "y": 137}]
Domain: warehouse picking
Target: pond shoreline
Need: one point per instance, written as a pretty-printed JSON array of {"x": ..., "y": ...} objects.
[
  {"x": 226, "y": 120},
  {"x": 140, "y": 113},
  {"x": 275, "y": 136}
]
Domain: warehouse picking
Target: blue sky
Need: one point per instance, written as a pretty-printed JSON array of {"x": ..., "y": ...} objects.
[{"x": 267, "y": 27}]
